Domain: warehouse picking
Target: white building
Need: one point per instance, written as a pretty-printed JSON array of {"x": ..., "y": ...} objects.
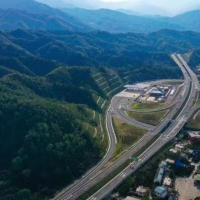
[{"x": 161, "y": 191}]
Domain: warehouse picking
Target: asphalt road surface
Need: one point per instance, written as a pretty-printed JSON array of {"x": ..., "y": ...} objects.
[{"x": 173, "y": 120}]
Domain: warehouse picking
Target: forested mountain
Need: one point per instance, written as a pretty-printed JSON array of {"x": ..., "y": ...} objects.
[
  {"x": 124, "y": 21},
  {"x": 11, "y": 19},
  {"x": 189, "y": 20},
  {"x": 47, "y": 123},
  {"x": 29, "y": 14},
  {"x": 193, "y": 58},
  {"x": 118, "y": 22},
  {"x": 50, "y": 113},
  {"x": 99, "y": 48}
]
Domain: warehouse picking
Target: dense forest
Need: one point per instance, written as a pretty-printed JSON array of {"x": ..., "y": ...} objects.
[
  {"x": 193, "y": 58},
  {"x": 46, "y": 116},
  {"x": 56, "y": 86},
  {"x": 98, "y": 48}
]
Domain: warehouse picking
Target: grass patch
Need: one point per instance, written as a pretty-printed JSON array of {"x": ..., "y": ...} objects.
[
  {"x": 194, "y": 124},
  {"x": 149, "y": 118},
  {"x": 173, "y": 83},
  {"x": 126, "y": 135},
  {"x": 147, "y": 106}
]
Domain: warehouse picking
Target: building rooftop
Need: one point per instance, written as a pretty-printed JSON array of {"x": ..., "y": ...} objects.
[
  {"x": 161, "y": 189},
  {"x": 170, "y": 161},
  {"x": 137, "y": 86},
  {"x": 173, "y": 150},
  {"x": 194, "y": 134},
  {"x": 167, "y": 181},
  {"x": 164, "y": 164},
  {"x": 159, "y": 175},
  {"x": 131, "y": 198},
  {"x": 142, "y": 189},
  {"x": 179, "y": 146}
]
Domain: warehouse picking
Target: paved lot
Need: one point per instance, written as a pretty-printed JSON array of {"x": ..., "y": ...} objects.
[
  {"x": 128, "y": 94},
  {"x": 186, "y": 188}
]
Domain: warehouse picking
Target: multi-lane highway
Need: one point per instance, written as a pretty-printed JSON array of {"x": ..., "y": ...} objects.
[
  {"x": 174, "y": 121},
  {"x": 180, "y": 113}
]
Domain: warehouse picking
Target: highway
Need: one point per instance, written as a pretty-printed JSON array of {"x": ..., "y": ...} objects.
[
  {"x": 182, "y": 107},
  {"x": 72, "y": 191},
  {"x": 117, "y": 109},
  {"x": 173, "y": 121}
]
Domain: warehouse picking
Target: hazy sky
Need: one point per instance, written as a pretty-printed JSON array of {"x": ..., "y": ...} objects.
[{"x": 162, "y": 7}]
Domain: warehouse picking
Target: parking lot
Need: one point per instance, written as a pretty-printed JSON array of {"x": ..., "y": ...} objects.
[{"x": 186, "y": 188}]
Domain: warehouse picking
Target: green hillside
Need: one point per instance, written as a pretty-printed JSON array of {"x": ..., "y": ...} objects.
[
  {"x": 30, "y": 14},
  {"x": 98, "y": 48},
  {"x": 118, "y": 22},
  {"x": 193, "y": 58},
  {"x": 52, "y": 126}
]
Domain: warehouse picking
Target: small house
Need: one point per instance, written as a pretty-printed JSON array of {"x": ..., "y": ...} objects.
[
  {"x": 161, "y": 191},
  {"x": 142, "y": 191}
]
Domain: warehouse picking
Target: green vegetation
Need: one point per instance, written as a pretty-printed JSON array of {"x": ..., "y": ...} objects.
[
  {"x": 145, "y": 175},
  {"x": 89, "y": 49},
  {"x": 173, "y": 83},
  {"x": 148, "y": 106},
  {"x": 194, "y": 122},
  {"x": 126, "y": 135},
  {"x": 101, "y": 183},
  {"x": 34, "y": 15},
  {"x": 117, "y": 22},
  {"x": 52, "y": 129},
  {"x": 149, "y": 118},
  {"x": 194, "y": 58}
]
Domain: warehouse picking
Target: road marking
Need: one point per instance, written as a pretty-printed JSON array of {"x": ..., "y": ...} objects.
[{"x": 67, "y": 197}]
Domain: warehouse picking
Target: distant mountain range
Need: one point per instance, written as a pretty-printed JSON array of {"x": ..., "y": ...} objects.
[
  {"x": 117, "y": 22},
  {"x": 125, "y": 21},
  {"x": 29, "y": 14}
]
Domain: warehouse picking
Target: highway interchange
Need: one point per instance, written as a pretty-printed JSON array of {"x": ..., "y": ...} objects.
[{"x": 169, "y": 127}]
